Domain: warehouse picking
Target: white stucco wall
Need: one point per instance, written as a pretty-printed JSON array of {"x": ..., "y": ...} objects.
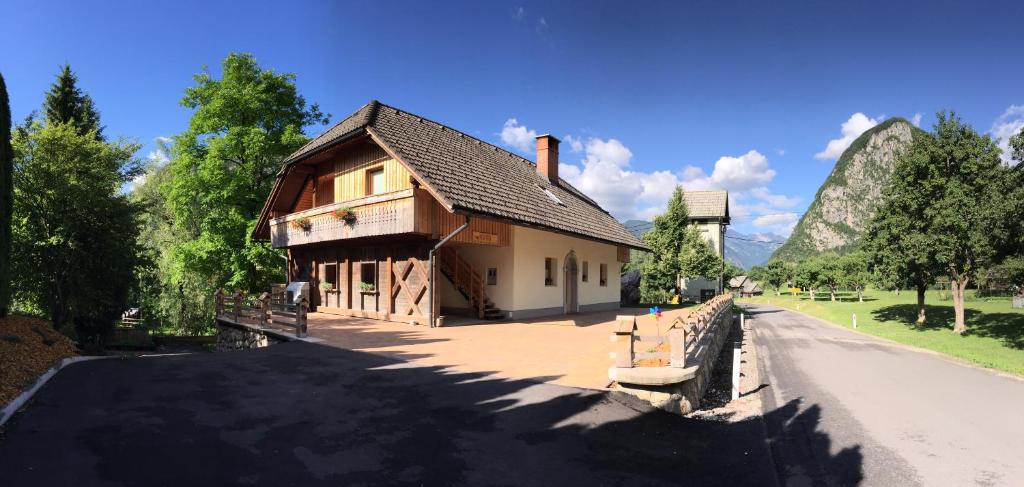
[
  {"x": 520, "y": 285},
  {"x": 532, "y": 246},
  {"x": 713, "y": 232}
]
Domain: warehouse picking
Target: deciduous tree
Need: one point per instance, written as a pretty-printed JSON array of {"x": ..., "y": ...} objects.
[
  {"x": 854, "y": 267},
  {"x": 75, "y": 232},
  {"x": 222, "y": 168}
]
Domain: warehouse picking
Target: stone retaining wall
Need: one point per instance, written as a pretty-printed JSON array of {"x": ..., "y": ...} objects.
[
  {"x": 233, "y": 336},
  {"x": 679, "y": 393}
]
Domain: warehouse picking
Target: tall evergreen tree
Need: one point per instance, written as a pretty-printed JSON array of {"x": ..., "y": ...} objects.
[
  {"x": 660, "y": 273},
  {"x": 66, "y": 103},
  {"x": 6, "y": 198}
]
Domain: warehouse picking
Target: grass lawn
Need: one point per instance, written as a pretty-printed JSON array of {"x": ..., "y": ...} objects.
[{"x": 995, "y": 330}]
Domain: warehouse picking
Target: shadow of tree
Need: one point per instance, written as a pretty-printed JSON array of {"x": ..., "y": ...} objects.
[
  {"x": 305, "y": 414},
  {"x": 802, "y": 451},
  {"x": 1006, "y": 327}
]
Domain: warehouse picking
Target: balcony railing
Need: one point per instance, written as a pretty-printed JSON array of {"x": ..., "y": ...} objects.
[{"x": 383, "y": 214}]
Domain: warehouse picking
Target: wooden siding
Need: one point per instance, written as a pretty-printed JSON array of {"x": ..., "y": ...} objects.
[
  {"x": 480, "y": 232},
  {"x": 401, "y": 280},
  {"x": 622, "y": 254},
  {"x": 351, "y": 167},
  {"x": 324, "y": 185},
  {"x": 305, "y": 200}
]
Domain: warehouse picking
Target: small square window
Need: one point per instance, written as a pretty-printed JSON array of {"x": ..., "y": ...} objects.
[
  {"x": 375, "y": 181},
  {"x": 585, "y": 272},
  {"x": 604, "y": 274},
  {"x": 368, "y": 276},
  {"x": 549, "y": 271},
  {"x": 331, "y": 275},
  {"x": 492, "y": 276}
]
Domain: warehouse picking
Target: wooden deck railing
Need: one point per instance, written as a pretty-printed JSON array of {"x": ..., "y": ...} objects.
[
  {"x": 465, "y": 279},
  {"x": 683, "y": 335},
  {"x": 264, "y": 311}
]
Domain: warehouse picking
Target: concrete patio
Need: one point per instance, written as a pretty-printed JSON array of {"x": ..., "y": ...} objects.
[{"x": 571, "y": 350}]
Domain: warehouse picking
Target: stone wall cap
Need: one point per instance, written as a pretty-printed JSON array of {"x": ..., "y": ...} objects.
[{"x": 652, "y": 376}]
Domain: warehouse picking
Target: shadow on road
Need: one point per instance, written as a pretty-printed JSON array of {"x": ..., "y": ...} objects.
[{"x": 305, "y": 414}]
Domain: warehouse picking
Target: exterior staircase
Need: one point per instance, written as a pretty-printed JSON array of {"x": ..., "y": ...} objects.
[{"x": 468, "y": 282}]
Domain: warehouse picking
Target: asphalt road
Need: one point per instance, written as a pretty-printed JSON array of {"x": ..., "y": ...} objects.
[
  {"x": 305, "y": 414},
  {"x": 844, "y": 408}
]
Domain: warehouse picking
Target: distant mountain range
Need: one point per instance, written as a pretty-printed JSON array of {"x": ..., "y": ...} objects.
[
  {"x": 741, "y": 249},
  {"x": 847, "y": 200}
]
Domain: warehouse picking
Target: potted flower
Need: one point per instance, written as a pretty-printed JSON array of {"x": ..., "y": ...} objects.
[
  {"x": 302, "y": 223},
  {"x": 367, "y": 287},
  {"x": 346, "y": 214},
  {"x": 326, "y": 286}
]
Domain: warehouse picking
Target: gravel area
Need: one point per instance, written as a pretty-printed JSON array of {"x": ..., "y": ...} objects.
[{"x": 717, "y": 403}]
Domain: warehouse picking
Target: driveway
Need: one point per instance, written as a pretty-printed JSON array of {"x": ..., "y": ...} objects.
[
  {"x": 844, "y": 408},
  {"x": 308, "y": 414},
  {"x": 568, "y": 350}
]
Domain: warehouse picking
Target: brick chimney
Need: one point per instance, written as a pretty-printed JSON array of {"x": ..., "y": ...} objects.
[{"x": 547, "y": 157}]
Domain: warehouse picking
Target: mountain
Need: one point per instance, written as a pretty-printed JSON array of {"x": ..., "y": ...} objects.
[
  {"x": 848, "y": 198},
  {"x": 747, "y": 251},
  {"x": 741, "y": 249}
]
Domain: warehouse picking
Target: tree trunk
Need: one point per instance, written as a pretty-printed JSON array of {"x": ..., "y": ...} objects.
[
  {"x": 957, "y": 288},
  {"x": 921, "y": 288},
  {"x": 832, "y": 295},
  {"x": 860, "y": 296}
]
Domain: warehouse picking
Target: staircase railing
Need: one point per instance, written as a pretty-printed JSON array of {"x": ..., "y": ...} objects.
[{"x": 465, "y": 279}]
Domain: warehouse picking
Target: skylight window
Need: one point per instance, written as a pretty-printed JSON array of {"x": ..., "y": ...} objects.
[{"x": 554, "y": 199}]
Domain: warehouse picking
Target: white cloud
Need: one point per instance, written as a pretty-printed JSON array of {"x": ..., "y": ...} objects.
[
  {"x": 575, "y": 144},
  {"x": 1007, "y": 125},
  {"x": 518, "y": 136},
  {"x": 608, "y": 151},
  {"x": 741, "y": 173},
  {"x": 780, "y": 152},
  {"x": 604, "y": 173},
  {"x": 780, "y": 223},
  {"x": 518, "y": 13},
  {"x": 916, "y": 119},
  {"x": 857, "y": 124}
]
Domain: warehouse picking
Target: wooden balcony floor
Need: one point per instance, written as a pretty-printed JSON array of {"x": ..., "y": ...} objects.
[{"x": 568, "y": 349}]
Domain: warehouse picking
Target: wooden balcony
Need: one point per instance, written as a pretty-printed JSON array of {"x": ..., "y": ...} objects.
[{"x": 398, "y": 212}]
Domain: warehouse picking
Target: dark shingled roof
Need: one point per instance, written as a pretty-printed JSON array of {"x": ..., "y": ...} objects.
[{"x": 474, "y": 176}]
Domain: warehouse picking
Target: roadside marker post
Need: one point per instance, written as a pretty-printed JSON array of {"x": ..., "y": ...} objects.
[
  {"x": 736, "y": 351},
  {"x": 855, "y": 320},
  {"x": 742, "y": 326}
]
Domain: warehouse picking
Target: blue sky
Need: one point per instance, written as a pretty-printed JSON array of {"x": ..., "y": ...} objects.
[{"x": 707, "y": 94}]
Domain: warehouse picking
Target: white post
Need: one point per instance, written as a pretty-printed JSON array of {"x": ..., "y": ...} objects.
[
  {"x": 742, "y": 326},
  {"x": 736, "y": 352},
  {"x": 855, "y": 320}
]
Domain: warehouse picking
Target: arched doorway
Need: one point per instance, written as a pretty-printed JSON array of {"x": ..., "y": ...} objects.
[{"x": 571, "y": 301}]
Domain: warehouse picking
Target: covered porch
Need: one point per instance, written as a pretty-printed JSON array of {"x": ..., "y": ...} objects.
[{"x": 570, "y": 350}]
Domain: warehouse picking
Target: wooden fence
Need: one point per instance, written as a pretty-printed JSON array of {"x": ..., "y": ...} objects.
[
  {"x": 264, "y": 311},
  {"x": 683, "y": 335}
]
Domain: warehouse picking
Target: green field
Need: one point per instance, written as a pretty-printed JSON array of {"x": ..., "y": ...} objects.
[{"x": 995, "y": 330}]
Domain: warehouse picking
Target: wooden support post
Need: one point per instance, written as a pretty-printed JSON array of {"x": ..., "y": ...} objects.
[
  {"x": 220, "y": 302},
  {"x": 264, "y": 310},
  {"x": 237, "y": 303},
  {"x": 623, "y": 338},
  {"x": 301, "y": 306},
  {"x": 389, "y": 302}
]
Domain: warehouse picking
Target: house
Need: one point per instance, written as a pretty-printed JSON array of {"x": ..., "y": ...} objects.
[
  {"x": 709, "y": 210},
  {"x": 745, "y": 286},
  {"x": 392, "y": 216}
]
